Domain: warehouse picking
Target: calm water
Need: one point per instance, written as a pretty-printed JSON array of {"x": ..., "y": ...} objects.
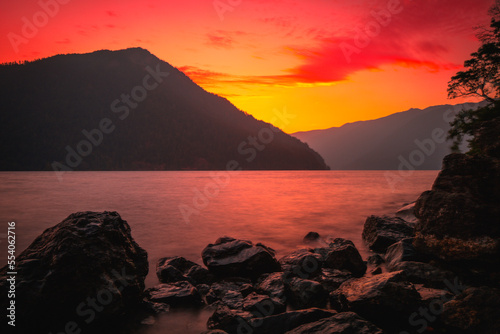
[{"x": 276, "y": 208}]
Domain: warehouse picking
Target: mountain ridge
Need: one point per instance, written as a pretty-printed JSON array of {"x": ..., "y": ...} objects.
[
  {"x": 388, "y": 142},
  {"x": 157, "y": 118}
]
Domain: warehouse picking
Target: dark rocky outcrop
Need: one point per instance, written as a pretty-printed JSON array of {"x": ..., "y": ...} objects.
[
  {"x": 381, "y": 232},
  {"x": 341, "y": 323},
  {"x": 476, "y": 310},
  {"x": 90, "y": 257},
  {"x": 386, "y": 299},
  {"x": 229, "y": 257},
  {"x": 425, "y": 273},
  {"x": 459, "y": 216}
]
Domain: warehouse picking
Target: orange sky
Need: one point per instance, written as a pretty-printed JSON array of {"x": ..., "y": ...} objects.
[{"x": 328, "y": 62}]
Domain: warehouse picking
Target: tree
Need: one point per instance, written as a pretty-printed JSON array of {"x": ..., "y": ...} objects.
[{"x": 481, "y": 78}]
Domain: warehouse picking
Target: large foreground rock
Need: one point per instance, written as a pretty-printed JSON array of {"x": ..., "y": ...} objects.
[
  {"x": 459, "y": 216},
  {"x": 229, "y": 257},
  {"x": 89, "y": 258},
  {"x": 381, "y": 232},
  {"x": 386, "y": 299},
  {"x": 341, "y": 323}
]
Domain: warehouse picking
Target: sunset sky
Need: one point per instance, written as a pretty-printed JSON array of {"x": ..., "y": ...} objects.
[{"x": 328, "y": 62}]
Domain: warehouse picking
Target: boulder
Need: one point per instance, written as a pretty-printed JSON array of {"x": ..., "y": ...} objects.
[
  {"x": 229, "y": 292},
  {"x": 458, "y": 218},
  {"x": 272, "y": 285},
  {"x": 386, "y": 299},
  {"x": 175, "y": 294},
  {"x": 311, "y": 237},
  {"x": 304, "y": 263},
  {"x": 262, "y": 305},
  {"x": 476, "y": 310},
  {"x": 342, "y": 254},
  {"x": 281, "y": 323},
  {"x": 402, "y": 251},
  {"x": 381, "y": 232},
  {"x": 331, "y": 279},
  {"x": 229, "y": 320},
  {"x": 229, "y": 257},
  {"x": 305, "y": 293},
  {"x": 88, "y": 256},
  {"x": 341, "y": 323},
  {"x": 175, "y": 269},
  {"x": 425, "y": 273}
]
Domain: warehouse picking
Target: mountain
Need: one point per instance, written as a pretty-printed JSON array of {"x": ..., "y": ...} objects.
[
  {"x": 128, "y": 110},
  {"x": 412, "y": 139}
]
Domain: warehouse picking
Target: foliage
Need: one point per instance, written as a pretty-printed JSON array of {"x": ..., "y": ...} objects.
[{"x": 481, "y": 78}]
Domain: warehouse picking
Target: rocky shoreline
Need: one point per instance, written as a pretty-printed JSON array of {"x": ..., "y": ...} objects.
[{"x": 434, "y": 268}]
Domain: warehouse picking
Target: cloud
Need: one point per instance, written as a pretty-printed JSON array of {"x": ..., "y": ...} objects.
[{"x": 219, "y": 41}]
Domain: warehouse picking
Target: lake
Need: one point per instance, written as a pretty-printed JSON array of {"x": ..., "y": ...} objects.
[{"x": 179, "y": 213}]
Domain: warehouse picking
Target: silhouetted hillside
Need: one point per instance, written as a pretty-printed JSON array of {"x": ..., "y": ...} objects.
[
  {"x": 145, "y": 119},
  {"x": 413, "y": 138}
]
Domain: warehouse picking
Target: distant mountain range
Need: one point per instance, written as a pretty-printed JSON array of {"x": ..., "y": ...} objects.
[
  {"x": 413, "y": 139},
  {"x": 128, "y": 110}
]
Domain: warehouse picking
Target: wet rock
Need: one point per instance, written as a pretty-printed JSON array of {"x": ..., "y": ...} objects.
[
  {"x": 311, "y": 237},
  {"x": 175, "y": 269},
  {"x": 229, "y": 320},
  {"x": 331, "y": 279},
  {"x": 476, "y": 310},
  {"x": 262, "y": 305},
  {"x": 154, "y": 308},
  {"x": 375, "y": 260},
  {"x": 272, "y": 285},
  {"x": 425, "y": 273},
  {"x": 281, "y": 323},
  {"x": 87, "y": 255},
  {"x": 402, "y": 251},
  {"x": 305, "y": 293},
  {"x": 229, "y": 292},
  {"x": 386, "y": 299},
  {"x": 175, "y": 294},
  {"x": 342, "y": 254},
  {"x": 381, "y": 232},
  {"x": 304, "y": 263},
  {"x": 229, "y": 257},
  {"x": 407, "y": 213},
  {"x": 341, "y": 323},
  {"x": 429, "y": 295}
]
